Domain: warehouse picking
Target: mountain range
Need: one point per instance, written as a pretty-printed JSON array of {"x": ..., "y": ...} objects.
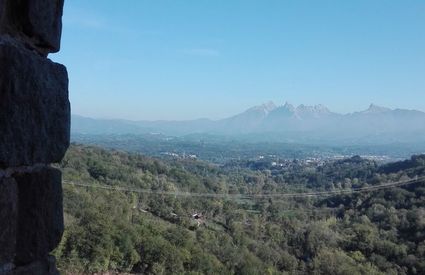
[{"x": 284, "y": 123}]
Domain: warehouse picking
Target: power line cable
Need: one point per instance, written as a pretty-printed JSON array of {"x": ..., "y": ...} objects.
[{"x": 252, "y": 196}]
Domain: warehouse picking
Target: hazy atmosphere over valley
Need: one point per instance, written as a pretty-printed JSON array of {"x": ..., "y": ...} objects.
[
  {"x": 184, "y": 60},
  {"x": 278, "y": 137},
  {"x": 285, "y": 123}
]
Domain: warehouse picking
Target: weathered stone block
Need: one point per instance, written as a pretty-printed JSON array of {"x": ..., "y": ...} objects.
[
  {"x": 40, "y": 214},
  {"x": 34, "y": 108},
  {"x": 36, "y": 22},
  {"x": 8, "y": 218},
  {"x": 42, "y": 267}
]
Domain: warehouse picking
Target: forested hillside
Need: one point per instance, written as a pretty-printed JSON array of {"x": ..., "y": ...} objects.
[{"x": 379, "y": 232}]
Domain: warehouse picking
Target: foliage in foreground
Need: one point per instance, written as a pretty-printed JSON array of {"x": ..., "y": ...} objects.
[{"x": 382, "y": 232}]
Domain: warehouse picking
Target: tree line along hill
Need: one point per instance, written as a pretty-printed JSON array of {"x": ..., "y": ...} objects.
[{"x": 118, "y": 231}]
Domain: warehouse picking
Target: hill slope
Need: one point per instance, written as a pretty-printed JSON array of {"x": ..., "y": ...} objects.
[{"x": 382, "y": 232}]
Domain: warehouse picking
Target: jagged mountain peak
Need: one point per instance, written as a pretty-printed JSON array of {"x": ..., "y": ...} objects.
[
  {"x": 266, "y": 107},
  {"x": 315, "y": 108},
  {"x": 288, "y": 106},
  {"x": 284, "y": 122},
  {"x": 373, "y": 108},
  {"x": 304, "y": 111},
  {"x": 269, "y": 106}
]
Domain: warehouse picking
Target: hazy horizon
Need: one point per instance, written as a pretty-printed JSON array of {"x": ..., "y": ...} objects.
[
  {"x": 179, "y": 60},
  {"x": 236, "y": 112}
]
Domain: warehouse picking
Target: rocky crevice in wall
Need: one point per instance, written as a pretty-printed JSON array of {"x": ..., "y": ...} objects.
[{"x": 34, "y": 132}]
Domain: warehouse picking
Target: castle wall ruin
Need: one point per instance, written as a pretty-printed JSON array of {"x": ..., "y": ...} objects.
[{"x": 34, "y": 133}]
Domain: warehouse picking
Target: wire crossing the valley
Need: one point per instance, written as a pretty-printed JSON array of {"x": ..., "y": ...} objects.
[{"x": 252, "y": 196}]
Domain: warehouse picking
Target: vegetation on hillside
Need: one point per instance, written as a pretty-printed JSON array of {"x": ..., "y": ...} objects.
[{"x": 380, "y": 232}]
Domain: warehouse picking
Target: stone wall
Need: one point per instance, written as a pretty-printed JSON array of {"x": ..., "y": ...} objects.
[{"x": 34, "y": 132}]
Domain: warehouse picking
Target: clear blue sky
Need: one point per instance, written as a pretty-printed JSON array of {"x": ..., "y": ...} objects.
[{"x": 183, "y": 59}]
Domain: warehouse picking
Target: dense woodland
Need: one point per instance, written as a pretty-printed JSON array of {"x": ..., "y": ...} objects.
[{"x": 380, "y": 232}]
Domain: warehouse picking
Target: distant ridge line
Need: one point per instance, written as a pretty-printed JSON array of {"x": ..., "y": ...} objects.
[{"x": 253, "y": 196}]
